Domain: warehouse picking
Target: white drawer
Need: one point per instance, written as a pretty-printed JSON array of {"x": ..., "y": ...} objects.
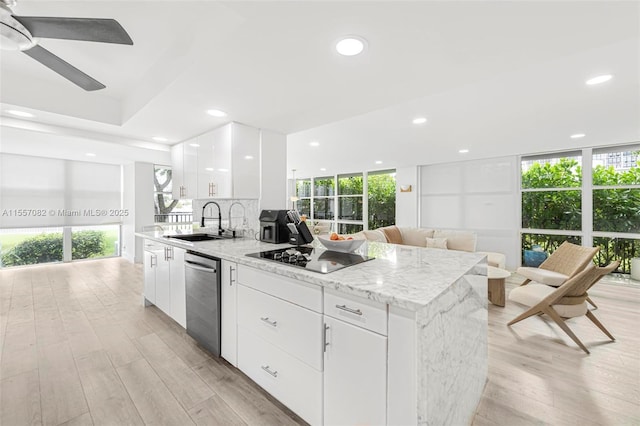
[
  {"x": 355, "y": 310},
  {"x": 294, "y": 329},
  {"x": 292, "y": 382},
  {"x": 298, "y": 292}
]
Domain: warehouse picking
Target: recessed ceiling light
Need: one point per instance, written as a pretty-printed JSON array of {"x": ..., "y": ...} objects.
[
  {"x": 378, "y": 162},
  {"x": 350, "y": 45},
  {"x": 463, "y": 151},
  {"x": 20, "y": 113},
  {"x": 159, "y": 139},
  {"x": 578, "y": 136},
  {"x": 248, "y": 157},
  {"x": 314, "y": 143},
  {"x": 195, "y": 145},
  {"x": 599, "y": 79},
  {"x": 223, "y": 170},
  {"x": 216, "y": 113},
  {"x": 323, "y": 169},
  {"x": 90, "y": 154},
  {"x": 419, "y": 120},
  {"x": 209, "y": 169}
]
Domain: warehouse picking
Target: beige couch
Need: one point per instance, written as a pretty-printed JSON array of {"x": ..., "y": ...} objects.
[{"x": 452, "y": 240}]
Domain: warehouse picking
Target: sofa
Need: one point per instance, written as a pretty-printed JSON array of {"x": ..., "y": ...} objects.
[{"x": 430, "y": 238}]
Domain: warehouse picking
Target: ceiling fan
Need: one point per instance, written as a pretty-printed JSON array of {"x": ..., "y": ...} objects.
[{"x": 22, "y": 32}]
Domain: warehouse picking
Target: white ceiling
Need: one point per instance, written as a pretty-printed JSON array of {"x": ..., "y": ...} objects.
[{"x": 494, "y": 77}]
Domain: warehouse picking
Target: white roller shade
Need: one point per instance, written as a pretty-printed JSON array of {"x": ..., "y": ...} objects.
[{"x": 39, "y": 192}]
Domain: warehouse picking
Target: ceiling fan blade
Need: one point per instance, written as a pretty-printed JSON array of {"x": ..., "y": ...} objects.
[
  {"x": 63, "y": 68},
  {"x": 85, "y": 29}
]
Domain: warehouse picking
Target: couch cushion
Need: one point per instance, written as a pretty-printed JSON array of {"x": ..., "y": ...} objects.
[
  {"x": 497, "y": 260},
  {"x": 458, "y": 240},
  {"x": 543, "y": 276},
  {"x": 392, "y": 233},
  {"x": 533, "y": 293},
  {"x": 415, "y": 236},
  {"x": 438, "y": 243},
  {"x": 373, "y": 235}
]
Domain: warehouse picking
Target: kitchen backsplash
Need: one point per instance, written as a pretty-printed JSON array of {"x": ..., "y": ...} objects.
[{"x": 246, "y": 219}]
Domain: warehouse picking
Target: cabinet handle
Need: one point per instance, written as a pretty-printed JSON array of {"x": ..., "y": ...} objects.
[
  {"x": 324, "y": 337},
  {"x": 231, "y": 271},
  {"x": 152, "y": 259},
  {"x": 348, "y": 309},
  {"x": 170, "y": 252},
  {"x": 270, "y": 322},
  {"x": 268, "y": 370}
]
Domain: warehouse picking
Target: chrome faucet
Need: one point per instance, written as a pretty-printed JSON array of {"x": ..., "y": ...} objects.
[
  {"x": 219, "y": 216},
  {"x": 244, "y": 212}
]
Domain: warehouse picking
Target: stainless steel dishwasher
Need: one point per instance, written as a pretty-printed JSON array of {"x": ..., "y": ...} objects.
[{"x": 203, "y": 283}]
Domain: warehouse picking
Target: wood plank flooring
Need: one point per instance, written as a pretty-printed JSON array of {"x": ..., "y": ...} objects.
[{"x": 78, "y": 348}]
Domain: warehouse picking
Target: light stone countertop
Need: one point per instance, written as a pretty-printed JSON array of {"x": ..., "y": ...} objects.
[{"x": 405, "y": 276}]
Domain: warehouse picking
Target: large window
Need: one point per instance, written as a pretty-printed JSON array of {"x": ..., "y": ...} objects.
[
  {"x": 600, "y": 210},
  {"x": 168, "y": 210},
  {"x": 348, "y": 203}
]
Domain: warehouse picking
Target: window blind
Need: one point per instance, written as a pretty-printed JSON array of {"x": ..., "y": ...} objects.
[{"x": 40, "y": 192}]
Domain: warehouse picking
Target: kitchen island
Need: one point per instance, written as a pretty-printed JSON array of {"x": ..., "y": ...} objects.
[{"x": 416, "y": 320}]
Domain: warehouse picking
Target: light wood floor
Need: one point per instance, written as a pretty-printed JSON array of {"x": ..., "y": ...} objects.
[{"x": 78, "y": 348}]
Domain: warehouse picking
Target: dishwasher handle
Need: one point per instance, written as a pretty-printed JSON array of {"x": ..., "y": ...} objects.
[{"x": 199, "y": 267}]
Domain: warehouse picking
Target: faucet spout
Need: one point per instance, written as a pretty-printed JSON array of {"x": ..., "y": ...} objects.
[
  {"x": 219, "y": 216},
  {"x": 244, "y": 212}
]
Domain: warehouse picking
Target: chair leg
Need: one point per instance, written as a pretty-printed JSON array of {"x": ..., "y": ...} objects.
[
  {"x": 558, "y": 319},
  {"x": 599, "y": 324},
  {"x": 591, "y": 302},
  {"x": 526, "y": 314}
]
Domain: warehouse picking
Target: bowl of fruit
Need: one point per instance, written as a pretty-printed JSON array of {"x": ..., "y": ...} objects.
[{"x": 340, "y": 243}]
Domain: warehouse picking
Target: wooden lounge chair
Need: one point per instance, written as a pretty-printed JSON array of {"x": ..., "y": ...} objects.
[
  {"x": 564, "y": 263},
  {"x": 566, "y": 301}
]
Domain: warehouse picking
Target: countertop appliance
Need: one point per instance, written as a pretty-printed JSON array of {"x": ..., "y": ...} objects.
[
  {"x": 203, "y": 285},
  {"x": 311, "y": 259},
  {"x": 273, "y": 226}
]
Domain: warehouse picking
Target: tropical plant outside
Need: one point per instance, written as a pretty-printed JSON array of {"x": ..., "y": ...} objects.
[
  {"x": 47, "y": 247},
  {"x": 559, "y": 208}
]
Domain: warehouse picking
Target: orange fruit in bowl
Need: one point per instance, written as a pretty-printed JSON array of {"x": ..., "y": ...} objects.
[{"x": 334, "y": 236}]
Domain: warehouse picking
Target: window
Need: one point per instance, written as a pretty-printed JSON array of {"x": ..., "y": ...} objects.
[
  {"x": 551, "y": 200},
  {"x": 339, "y": 202},
  {"x": 553, "y": 192},
  {"x": 30, "y": 246},
  {"x": 382, "y": 198},
  {"x": 616, "y": 204},
  {"x": 168, "y": 210}
]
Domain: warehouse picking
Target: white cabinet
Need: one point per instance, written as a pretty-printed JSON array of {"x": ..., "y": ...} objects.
[
  {"x": 280, "y": 339},
  {"x": 228, "y": 326},
  {"x": 184, "y": 166},
  {"x": 178, "y": 294},
  {"x": 355, "y": 360},
  {"x": 230, "y": 162},
  {"x": 164, "y": 284}
]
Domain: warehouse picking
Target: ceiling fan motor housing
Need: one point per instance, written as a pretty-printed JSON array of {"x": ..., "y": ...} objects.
[{"x": 13, "y": 35}]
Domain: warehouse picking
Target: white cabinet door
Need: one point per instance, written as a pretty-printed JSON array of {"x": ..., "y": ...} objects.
[
  {"x": 184, "y": 166},
  {"x": 222, "y": 170},
  {"x": 245, "y": 161},
  {"x": 355, "y": 366},
  {"x": 229, "y": 330},
  {"x": 177, "y": 286},
  {"x": 163, "y": 283},
  {"x": 207, "y": 185},
  {"x": 177, "y": 174},
  {"x": 150, "y": 263}
]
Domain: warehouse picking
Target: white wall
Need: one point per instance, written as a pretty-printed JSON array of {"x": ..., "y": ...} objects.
[
  {"x": 478, "y": 195},
  {"x": 407, "y": 202},
  {"x": 137, "y": 197}
]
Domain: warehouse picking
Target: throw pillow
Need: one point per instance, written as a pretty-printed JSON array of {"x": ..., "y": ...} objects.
[{"x": 439, "y": 243}]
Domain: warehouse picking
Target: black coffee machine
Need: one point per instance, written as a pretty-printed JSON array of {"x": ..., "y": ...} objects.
[{"x": 273, "y": 226}]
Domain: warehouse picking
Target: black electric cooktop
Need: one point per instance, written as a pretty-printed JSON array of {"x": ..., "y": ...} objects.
[{"x": 316, "y": 260}]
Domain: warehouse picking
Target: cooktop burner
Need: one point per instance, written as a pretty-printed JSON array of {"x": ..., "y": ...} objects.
[{"x": 317, "y": 260}]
